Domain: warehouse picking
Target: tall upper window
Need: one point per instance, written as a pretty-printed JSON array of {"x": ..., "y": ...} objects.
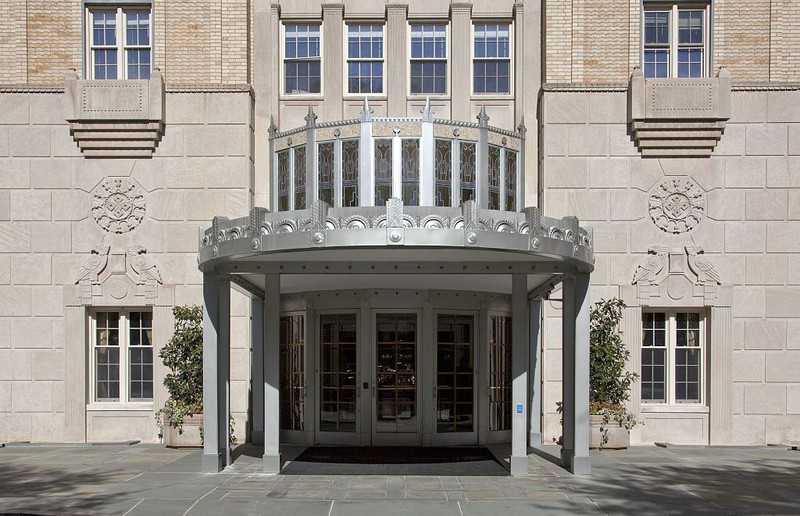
[
  {"x": 365, "y": 59},
  {"x": 491, "y": 67},
  {"x": 120, "y": 43},
  {"x": 302, "y": 58},
  {"x": 428, "y": 59},
  {"x": 122, "y": 356},
  {"x": 675, "y": 41},
  {"x": 673, "y": 345}
]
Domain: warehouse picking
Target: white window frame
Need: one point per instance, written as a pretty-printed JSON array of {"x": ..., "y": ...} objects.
[
  {"x": 348, "y": 59},
  {"x": 671, "y": 346},
  {"x": 283, "y": 58},
  {"x": 446, "y": 59},
  {"x": 124, "y": 361},
  {"x": 511, "y": 61},
  {"x": 121, "y": 37},
  {"x": 674, "y": 8}
]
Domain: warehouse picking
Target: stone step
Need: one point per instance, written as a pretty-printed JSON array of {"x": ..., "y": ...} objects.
[{"x": 115, "y": 135}]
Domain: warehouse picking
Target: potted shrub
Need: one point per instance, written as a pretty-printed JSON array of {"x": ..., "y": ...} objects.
[
  {"x": 181, "y": 418},
  {"x": 609, "y": 380}
]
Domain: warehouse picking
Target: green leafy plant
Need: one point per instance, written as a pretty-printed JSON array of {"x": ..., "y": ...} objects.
[
  {"x": 609, "y": 380},
  {"x": 183, "y": 355}
]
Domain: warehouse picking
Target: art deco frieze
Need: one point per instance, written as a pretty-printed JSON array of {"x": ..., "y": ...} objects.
[
  {"x": 677, "y": 277},
  {"x": 118, "y": 275}
]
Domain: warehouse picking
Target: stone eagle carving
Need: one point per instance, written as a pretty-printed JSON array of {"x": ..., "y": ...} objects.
[
  {"x": 649, "y": 270},
  {"x": 94, "y": 265},
  {"x": 706, "y": 274},
  {"x": 144, "y": 270}
]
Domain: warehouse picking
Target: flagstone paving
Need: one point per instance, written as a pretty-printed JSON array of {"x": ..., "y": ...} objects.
[{"x": 150, "y": 479}]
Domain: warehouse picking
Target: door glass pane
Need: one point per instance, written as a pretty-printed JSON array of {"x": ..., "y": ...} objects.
[
  {"x": 500, "y": 374},
  {"x": 454, "y": 373},
  {"x": 383, "y": 171},
  {"x": 338, "y": 368},
  {"x": 292, "y": 381},
  {"x": 396, "y": 373}
]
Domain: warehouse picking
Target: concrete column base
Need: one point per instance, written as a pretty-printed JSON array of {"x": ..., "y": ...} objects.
[
  {"x": 519, "y": 465},
  {"x": 211, "y": 463},
  {"x": 535, "y": 440},
  {"x": 257, "y": 437},
  {"x": 581, "y": 465},
  {"x": 272, "y": 463}
]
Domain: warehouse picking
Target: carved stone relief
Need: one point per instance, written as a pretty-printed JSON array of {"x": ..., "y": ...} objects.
[
  {"x": 677, "y": 205},
  {"x": 118, "y": 273},
  {"x": 676, "y": 276},
  {"x": 118, "y": 205}
]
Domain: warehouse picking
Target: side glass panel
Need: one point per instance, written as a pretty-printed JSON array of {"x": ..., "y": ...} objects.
[
  {"x": 140, "y": 356},
  {"x": 283, "y": 180},
  {"x": 338, "y": 368},
  {"x": 500, "y": 374},
  {"x": 396, "y": 373},
  {"x": 687, "y": 357},
  {"x": 383, "y": 171},
  {"x": 325, "y": 171},
  {"x": 300, "y": 178},
  {"x": 444, "y": 172},
  {"x": 106, "y": 355},
  {"x": 350, "y": 165},
  {"x": 467, "y": 162},
  {"x": 410, "y": 179},
  {"x": 511, "y": 180},
  {"x": 494, "y": 177},
  {"x": 293, "y": 378},
  {"x": 654, "y": 357},
  {"x": 455, "y": 373}
]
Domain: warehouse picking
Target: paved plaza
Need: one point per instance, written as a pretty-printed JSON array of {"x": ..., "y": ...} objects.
[{"x": 151, "y": 479}]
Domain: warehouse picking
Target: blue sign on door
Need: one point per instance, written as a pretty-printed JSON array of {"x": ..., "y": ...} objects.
[{"x": 519, "y": 408}]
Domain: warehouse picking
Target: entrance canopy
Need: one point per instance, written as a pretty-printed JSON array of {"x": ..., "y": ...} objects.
[{"x": 409, "y": 247}]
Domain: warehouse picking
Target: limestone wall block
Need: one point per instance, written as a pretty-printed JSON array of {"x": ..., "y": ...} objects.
[
  {"x": 620, "y": 142},
  {"x": 587, "y": 140},
  {"x": 232, "y": 172},
  {"x": 766, "y": 269},
  {"x": 31, "y": 269},
  {"x": 688, "y": 429},
  {"x": 205, "y": 206},
  {"x": 766, "y": 205},
  {"x": 600, "y": 274},
  {"x": 71, "y": 205},
  {"x": 32, "y": 332},
  {"x": 793, "y": 334},
  {"x": 783, "y": 172},
  {"x": 794, "y": 139},
  {"x": 794, "y": 205},
  {"x": 189, "y": 172},
  {"x": 783, "y": 366},
  {"x": 608, "y": 108},
  {"x": 29, "y": 141},
  {"x": 15, "y": 108},
  {"x": 48, "y": 301},
  {"x": 149, "y": 173},
  {"x": 240, "y": 305},
  {"x": 552, "y": 368},
  {"x": 555, "y": 140},
  {"x": 4, "y": 141},
  {"x": 647, "y": 175},
  {"x": 764, "y": 399},
  {"x": 15, "y": 427},
  {"x": 783, "y": 237},
  {"x": 5, "y": 205},
  {"x": 745, "y": 237},
  {"x": 15, "y": 364},
  {"x": 748, "y": 430},
  {"x": 731, "y": 268},
  {"x": 47, "y": 427},
  {"x": 180, "y": 238},
  {"x": 48, "y": 109},
  {"x": 589, "y": 205},
  {"x": 766, "y": 140},
  {"x": 66, "y": 267},
  {"x": 15, "y": 301},
  {"x": 737, "y": 398},
  {"x": 171, "y": 144},
  {"x": 783, "y": 106},
  {"x": 567, "y": 108},
  {"x": 50, "y": 173},
  {"x": 188, "y": 294},
  {"x": 5, "y": 397},
  {"x": 48, "y": 365},
  {"x": 748, "y": 107},
  {"x": 794, "y": 272},
  {"x": 565, "y": 172},
  {"x": 168, "y": 204},
  {"x": 205, "y": 140},
  {"x": 239, "y": 392},
  {"x": 782, "y": 429},
  {"x": 5, "y": 332},
  {"x": 185, "y": 108},
  {"x": 793, "y": 399},
  {"x": 622, "y": 267},
  {"x": 5, "y": 269},
  {"x": 726, "y": 204},
  {"x": 553, "y": 340},
  {"x": 556, "y": 203},
  {"x": 32, "y": 397},
  {"x": 51, "y": 237},
  {"x": 732, "y": 142},
  {"x": 237, "y": 203},
  {"x": 31, "y": 205},
  {"x": 598, "y": 292},
  {"x": 228, "y": 108},
  {"x": 16, "y": 173},
  {"x": 62, "y": 145},
  {"x": 749, "y": 302},
  {"x": 748, "y": 366},
  {"x": 240, "y": 363},
  {"x": 238, "y": 140},
  {"x": 608, "y": 173},
  {"x": 783, "y": 302},
  {"x": 747, "y": 172},
  {"x": 86, "y": 234},
  {"x": 765, "y": 334},
  {"x": 610, "y": 237}
]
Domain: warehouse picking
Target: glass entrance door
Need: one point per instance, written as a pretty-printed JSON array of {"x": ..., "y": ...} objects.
[
  {"x": 396, "y": 415},
  {"x": 338, "y": 379}
]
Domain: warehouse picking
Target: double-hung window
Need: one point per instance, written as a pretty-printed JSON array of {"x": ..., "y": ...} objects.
[
  {"x": 120, "y": 42},
  {"x": 675, "y": 40},
  {"x": 365, "y": 59},
  {"x": 428, "y": 59},
  {"x": 302, "y": 58},
  {"x": 673, "y": 348},
  {"x": 122, "y": 356},
  {"x": 491, "y": 66}
]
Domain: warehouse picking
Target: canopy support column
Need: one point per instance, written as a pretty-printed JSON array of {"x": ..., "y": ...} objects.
[
  {"x": 575, "y": 374},
  {"x": 216, "y": 373},
  {"x": 535, "y": 370},
  {"x": 272, "y": 325},
  {"x": 257, "y": 369},
  {"x": 519, "y": 367}
]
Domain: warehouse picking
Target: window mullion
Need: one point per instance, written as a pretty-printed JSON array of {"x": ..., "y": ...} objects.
[
  {"x": 673, "y": 41},
  {"x": 672, "y": 345},
  {"x": 124, "y": 359}
]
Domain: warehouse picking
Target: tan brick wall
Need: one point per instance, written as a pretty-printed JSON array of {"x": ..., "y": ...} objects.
[
  {"x": 53, "y": 39},
  {"x": 742, "y": 39},
  {"x": 13, "y": 48}
]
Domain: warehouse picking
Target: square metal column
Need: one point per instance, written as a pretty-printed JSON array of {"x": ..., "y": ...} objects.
[
  {"x": 535, "y": 370},
  {"x": 257, "y": 368},
  {"x": 271, "y": 357},
  {"x": 216, "y": 373},
  {"x": 519, "y": 367}
]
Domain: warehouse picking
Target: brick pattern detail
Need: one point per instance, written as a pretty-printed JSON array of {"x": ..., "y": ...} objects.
[
  {"x": 53, "y": 39},
  {"x": 742, "y": 39},
  {"x": 13, "y": 45}
]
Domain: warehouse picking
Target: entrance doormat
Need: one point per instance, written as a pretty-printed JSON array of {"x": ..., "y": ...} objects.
[{"x": 394, "y": 454}]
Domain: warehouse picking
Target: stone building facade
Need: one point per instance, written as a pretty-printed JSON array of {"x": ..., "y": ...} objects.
[{"x": 691, "y": 185}]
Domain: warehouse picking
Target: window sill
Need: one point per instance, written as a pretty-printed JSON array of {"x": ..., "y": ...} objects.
[
  {"x": 301, "y": 96},
  {"x": 115, "y": 406},
  {"x": 655, "y": 408},
  {"x": 492, "y": 96},
  {"x": 360, "y": 96}
]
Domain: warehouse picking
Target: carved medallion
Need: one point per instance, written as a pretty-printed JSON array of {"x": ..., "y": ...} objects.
[
  {"x": 677, "y": 205},
  {"x": 118, "y": 205}
]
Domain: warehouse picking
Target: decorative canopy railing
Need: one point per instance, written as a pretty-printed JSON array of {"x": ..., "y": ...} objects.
[{"x": 424, "y": 161}]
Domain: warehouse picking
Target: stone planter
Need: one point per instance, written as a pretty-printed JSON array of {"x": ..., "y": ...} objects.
[
  {"x": 618, "y": 436},
  {"x": 190, "y": 438}
]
